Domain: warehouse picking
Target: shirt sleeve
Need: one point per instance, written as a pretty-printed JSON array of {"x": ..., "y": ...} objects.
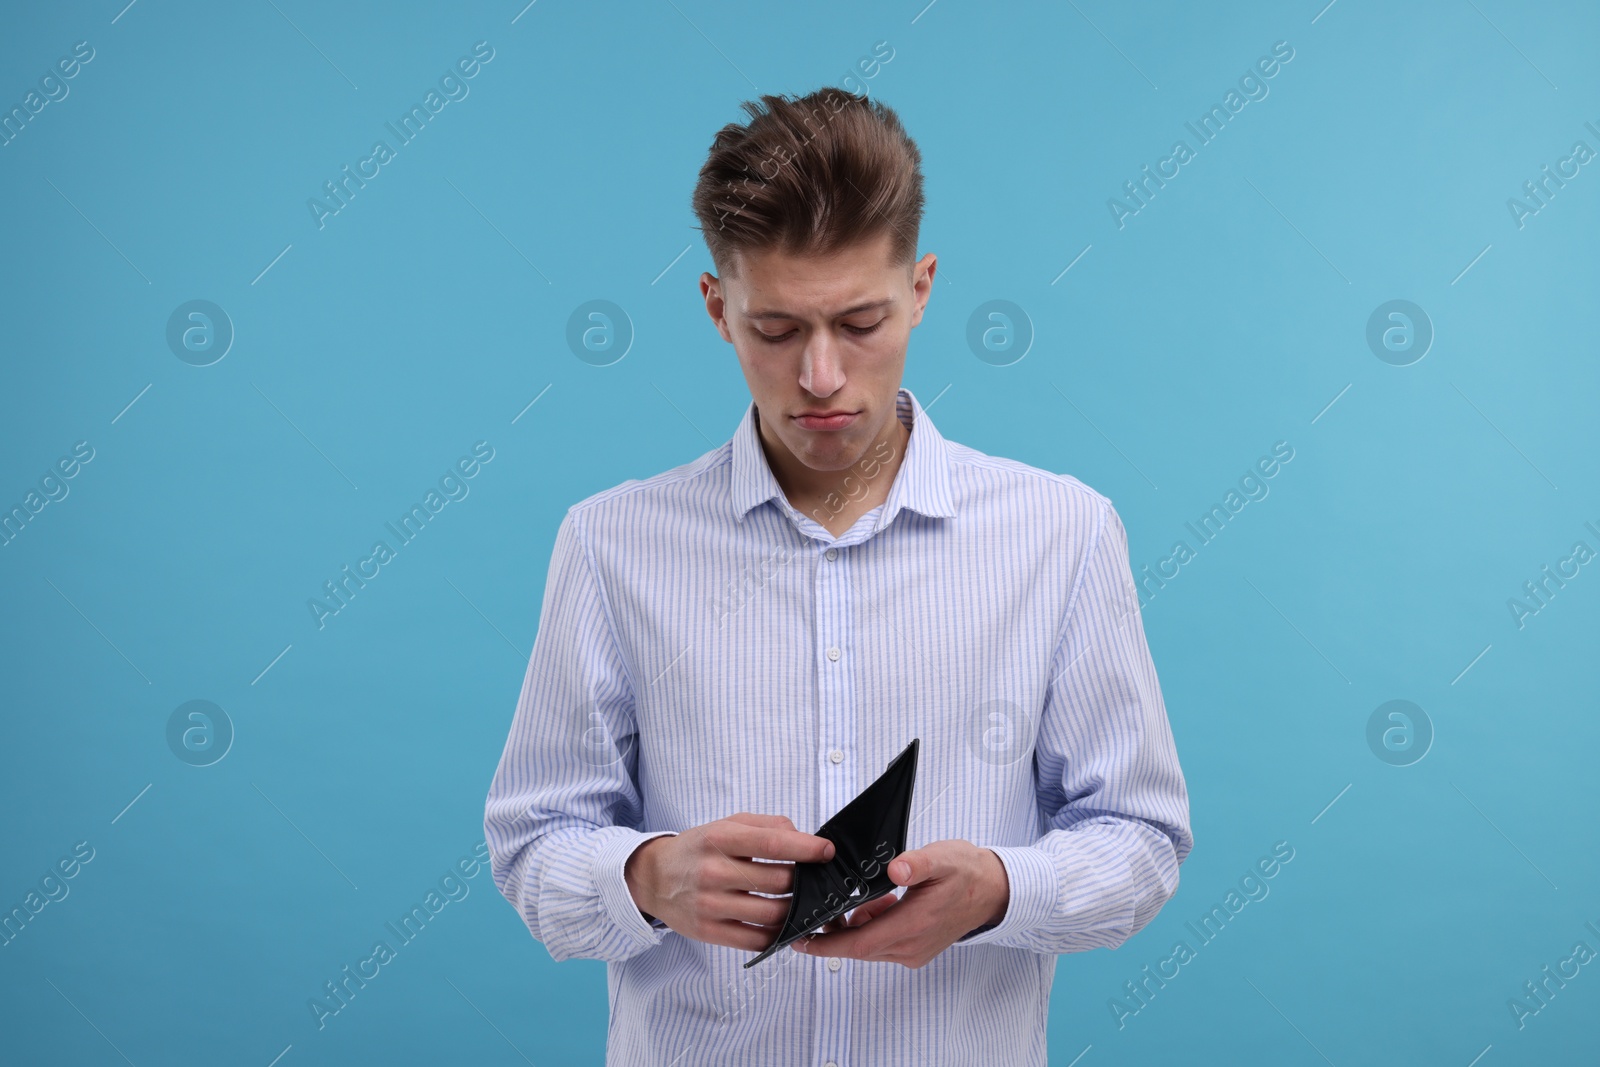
[
  {"x": 563, "y": 811},
  {"x": 1108, "y": 781}
]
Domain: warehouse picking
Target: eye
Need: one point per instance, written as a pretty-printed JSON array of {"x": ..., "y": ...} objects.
[
  {"x": 862, "y": 331},
  {"x": 773, "y": 340}
]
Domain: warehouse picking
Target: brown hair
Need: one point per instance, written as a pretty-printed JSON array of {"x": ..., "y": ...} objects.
[{"x": 810, "y": 175}]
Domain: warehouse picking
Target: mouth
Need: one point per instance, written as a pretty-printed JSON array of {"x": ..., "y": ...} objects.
[{"x": 827, "y": 420}]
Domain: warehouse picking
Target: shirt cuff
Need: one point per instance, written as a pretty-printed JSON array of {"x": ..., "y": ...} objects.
[
  {"x": 613, "y": 888},
  {"x": 1034, "y": 892}
]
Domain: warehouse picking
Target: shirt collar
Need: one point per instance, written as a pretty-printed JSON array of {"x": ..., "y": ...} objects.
[{"x": 922, "y": 483}]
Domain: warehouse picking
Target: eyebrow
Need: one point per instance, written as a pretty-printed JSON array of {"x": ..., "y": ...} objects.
[{"x": 767, "y": 313}]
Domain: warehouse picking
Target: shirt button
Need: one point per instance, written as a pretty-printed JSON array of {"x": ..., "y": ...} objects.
[
  {"x": 833, "y": 554},
  {"x": 833, "y": 653},
  {"x": 836, "y": 756},
  {"x": 834, "y": 963},
  {"x": 830, "y": 1063}
]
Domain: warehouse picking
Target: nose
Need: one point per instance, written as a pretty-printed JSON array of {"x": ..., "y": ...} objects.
[{"x": 821, "y": 373}]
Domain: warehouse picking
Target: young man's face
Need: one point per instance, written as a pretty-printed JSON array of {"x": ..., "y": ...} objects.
[{"x": 820, "y": 336}]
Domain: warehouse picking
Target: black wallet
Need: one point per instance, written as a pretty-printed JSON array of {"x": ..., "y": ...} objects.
[{"x": 866, "y": 833}]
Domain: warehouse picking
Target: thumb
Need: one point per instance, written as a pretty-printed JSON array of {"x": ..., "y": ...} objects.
[{"x": 909, "y": 868}]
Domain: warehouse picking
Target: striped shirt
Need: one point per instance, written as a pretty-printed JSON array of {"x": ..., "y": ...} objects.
[{"x": 706, "y": 649}]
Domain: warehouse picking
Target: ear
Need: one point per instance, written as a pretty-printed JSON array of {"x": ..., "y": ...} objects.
[
  {"x": 922, "y": 273},
  {"x": 716, "y": 306}
]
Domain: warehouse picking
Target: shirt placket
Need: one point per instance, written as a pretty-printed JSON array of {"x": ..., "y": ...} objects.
[{"x": 836, "y": 769}]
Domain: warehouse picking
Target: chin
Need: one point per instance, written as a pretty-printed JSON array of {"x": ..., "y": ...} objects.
[{"x": 841, "y": 455}]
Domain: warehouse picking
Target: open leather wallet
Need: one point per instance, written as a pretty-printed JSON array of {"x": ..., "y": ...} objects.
[{"x": 866, "y": 833}]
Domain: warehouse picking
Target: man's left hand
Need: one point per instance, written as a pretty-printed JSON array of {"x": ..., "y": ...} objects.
[{"x": 953, "y": 887}]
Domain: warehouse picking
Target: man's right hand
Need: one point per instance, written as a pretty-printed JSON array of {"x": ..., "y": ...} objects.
[{"x": 704, "y": 882}]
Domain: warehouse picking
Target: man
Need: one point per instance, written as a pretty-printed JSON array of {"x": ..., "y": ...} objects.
[{"x": 730, "y": 651}]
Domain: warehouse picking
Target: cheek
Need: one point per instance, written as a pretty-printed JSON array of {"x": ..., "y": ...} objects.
[
  {"x": 776, "y": 382},
  {"x": 886, "y": 349},
  {"x": 759, "y": 367}
]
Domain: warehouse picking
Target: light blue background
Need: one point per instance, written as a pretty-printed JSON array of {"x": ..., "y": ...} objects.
[{"x": 430, "y": 311}]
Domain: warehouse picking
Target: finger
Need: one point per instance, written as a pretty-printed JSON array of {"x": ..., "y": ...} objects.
[
  {"x": 862, "y": 914},
  {"x": 853, "y": 917},
  {"x": 769, "y": 842},
  {"x": 918, "y": 865},
  {"x": 871, "y": 910},
  {"x": 835, "y": 923},
  {"x": 748, "y": 908},
  {"x": 738, "y": 935},
  {"x": 751, "y": 819},
  {"x": 754, "y": 876},
  {"x": 869, "y": 941}
]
